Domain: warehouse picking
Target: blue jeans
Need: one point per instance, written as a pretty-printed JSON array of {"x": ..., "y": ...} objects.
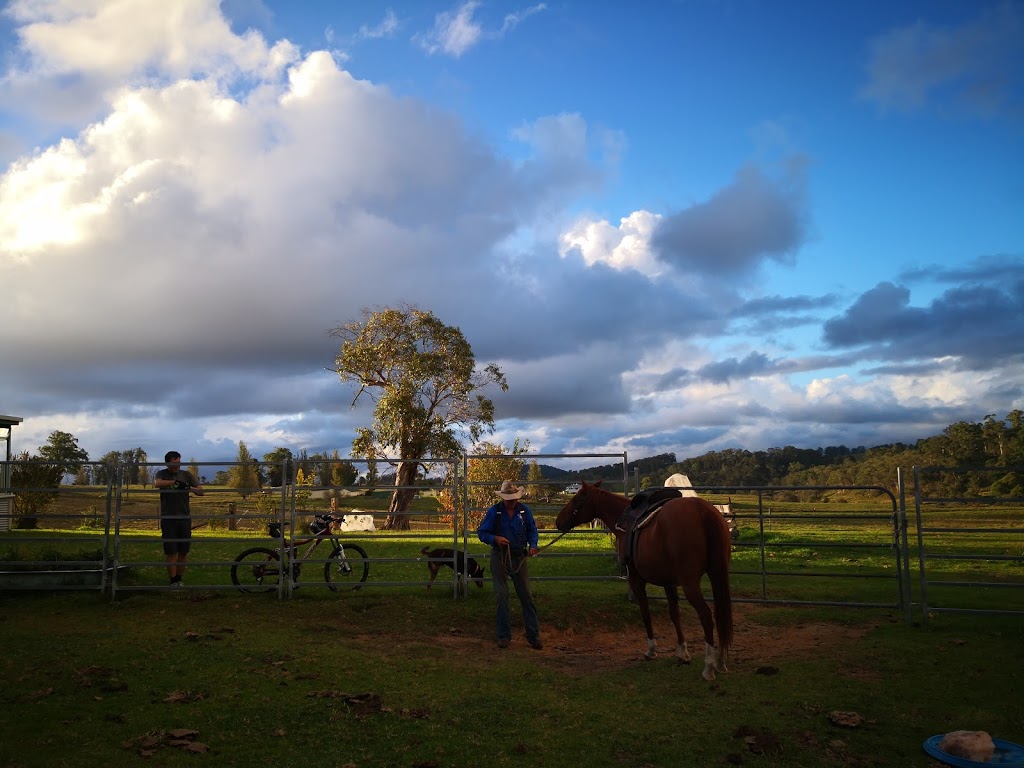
[{"x": 520, "y": 573}]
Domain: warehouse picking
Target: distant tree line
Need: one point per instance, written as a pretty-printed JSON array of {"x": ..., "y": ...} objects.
[
  {"x": 980, "y": 451},
  {"x": 989, "y": 457}
]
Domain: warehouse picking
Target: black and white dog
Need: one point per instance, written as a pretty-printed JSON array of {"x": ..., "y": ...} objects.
[{"x": 463, "y": 566}]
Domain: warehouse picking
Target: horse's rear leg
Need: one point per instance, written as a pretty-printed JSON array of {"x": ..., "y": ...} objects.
[
  {"x": 673, "y": 611},
  {"x": 707, "y": 622}
]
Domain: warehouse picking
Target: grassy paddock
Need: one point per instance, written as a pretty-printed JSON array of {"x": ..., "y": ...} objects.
[
  {"x": 404, "y": 678},
  {"x": 398, "y": 676}
]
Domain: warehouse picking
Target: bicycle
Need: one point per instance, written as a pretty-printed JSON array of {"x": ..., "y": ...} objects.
[{"x": 259, "y": 569}]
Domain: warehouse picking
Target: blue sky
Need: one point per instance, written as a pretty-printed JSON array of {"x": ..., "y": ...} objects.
[{"x": 676, "y": 226}]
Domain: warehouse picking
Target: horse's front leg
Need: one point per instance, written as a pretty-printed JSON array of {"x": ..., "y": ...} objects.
[
  {"x": 639, "y": 589},
  {"x": 673, "y": 611}
]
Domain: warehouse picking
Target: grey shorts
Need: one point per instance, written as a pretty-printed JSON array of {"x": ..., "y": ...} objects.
[{"x": 173, "y": 528}]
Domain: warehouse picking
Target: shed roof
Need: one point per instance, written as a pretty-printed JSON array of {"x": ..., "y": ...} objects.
[{"x": 6, "y": 422}]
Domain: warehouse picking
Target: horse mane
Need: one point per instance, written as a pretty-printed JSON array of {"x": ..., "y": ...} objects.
[{"x": 602, "y": 493}]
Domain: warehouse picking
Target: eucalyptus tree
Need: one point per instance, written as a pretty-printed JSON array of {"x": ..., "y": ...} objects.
[{"x": 427, "y": 391}]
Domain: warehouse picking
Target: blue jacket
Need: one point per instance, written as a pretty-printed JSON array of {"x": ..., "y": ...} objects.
[{"x": 520, "y": 529}]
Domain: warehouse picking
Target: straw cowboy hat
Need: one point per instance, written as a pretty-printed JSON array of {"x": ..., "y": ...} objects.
[{"x": 510, "y": 491}]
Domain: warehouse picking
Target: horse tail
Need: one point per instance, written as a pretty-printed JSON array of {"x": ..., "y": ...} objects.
[{"x": 719, "y": 547}]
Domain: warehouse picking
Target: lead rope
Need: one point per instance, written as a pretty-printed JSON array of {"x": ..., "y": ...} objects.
[{"x": 506, "y": 554}]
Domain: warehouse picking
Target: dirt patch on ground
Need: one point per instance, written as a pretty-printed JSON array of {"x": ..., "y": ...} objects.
[{"x": 756, "y": 647}]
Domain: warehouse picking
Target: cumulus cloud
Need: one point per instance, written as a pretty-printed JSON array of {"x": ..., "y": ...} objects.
[
  {"x": 975, "y": 324},
  {"x": 627, "y": 246},
  {"x": 753, "y": 219},
  {"x": 85, "y": 53},
  {"x": 194, "y": 229},
  {"x": 181, "y": 253},
  {"x": 976, "y": 66}
]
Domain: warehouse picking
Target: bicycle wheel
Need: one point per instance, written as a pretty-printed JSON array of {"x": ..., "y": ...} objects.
[
  {"x": 346, "y": 565},
  {"x": 257, "y": 570}
]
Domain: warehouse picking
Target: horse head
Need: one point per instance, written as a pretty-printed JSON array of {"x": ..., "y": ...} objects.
[{"x": 580, "y": 509}]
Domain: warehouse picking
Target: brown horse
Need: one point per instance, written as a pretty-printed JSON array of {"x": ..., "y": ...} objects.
[{"x": 684, "y": 539}]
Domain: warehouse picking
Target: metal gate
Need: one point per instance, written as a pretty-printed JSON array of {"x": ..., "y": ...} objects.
[{"x": 949, "y": 551}]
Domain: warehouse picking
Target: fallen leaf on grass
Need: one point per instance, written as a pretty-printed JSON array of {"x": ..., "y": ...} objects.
[
  {"x": 176, "y": 697},
  {"x": 180, "y": 738},
  {"x": 279, "y": 732},
  {"x": 764, "y": 744},
  {"x": 41, "y": 694},
  {"x": 846, "y": 719},
  {"x": 759, "y": 741}
]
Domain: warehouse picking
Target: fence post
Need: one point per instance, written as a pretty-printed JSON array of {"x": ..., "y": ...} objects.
[{"x": 232, "y": 517}]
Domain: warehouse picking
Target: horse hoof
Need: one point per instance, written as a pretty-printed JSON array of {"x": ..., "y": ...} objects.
[
  {"x": 708, "y": 674},
  {"x": 648, "y": 657}
]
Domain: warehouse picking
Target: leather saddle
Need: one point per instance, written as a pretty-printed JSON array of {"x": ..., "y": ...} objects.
[{"x": 641, "y": 510}]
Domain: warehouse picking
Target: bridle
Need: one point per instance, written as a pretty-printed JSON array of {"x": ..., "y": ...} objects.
[
  {"x": 506, "y": 555},
  {"x": 576, "y": 510}
]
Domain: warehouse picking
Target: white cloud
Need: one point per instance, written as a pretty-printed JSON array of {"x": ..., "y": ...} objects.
[
  {"x": 453, "y": 33},
  {"x": 85, "y": 52},
  {"x": 627, "y": 246},
  {"x": 456, "y": 32},
  {"x": 513, "y": 20},
  {"x": 386, "y": 28}
]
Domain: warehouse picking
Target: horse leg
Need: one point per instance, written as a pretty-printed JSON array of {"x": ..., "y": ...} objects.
[
  {"x": 640, "y": 593},
  {"x": 673, "y": 611},
  {"x": 695, "y": 598}
]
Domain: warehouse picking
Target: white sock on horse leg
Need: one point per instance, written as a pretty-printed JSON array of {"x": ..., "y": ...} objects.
[
  {"x": 722, "y": 659},
  {"x": 652, "y": 648},
  {"x": 709, "y": 662},
  {"x": 683, "y": 652}
]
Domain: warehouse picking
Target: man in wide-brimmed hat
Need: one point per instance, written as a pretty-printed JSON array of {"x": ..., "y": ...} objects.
[{"x": 511, "y": 531}]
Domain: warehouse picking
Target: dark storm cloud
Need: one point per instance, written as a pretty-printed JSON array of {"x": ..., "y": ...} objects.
[
  {"x": 982, "y": 325},
  {"x": 752, "y": 219},
  {"x": 650, "y": 444},
  {"x": 998, "y": 269},
  {"x": 771, "y": 305},
  {"x": 754, "y": 364}
]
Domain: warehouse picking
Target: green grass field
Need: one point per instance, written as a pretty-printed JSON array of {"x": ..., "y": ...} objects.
[
  {"x": 400, "y": 677},
  {"x": 393, "y": 675}
]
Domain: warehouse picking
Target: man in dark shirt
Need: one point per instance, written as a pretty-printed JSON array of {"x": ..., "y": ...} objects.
[
  {"x": 175, "y": 484},
  {"x": 510, "y": 529}
]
